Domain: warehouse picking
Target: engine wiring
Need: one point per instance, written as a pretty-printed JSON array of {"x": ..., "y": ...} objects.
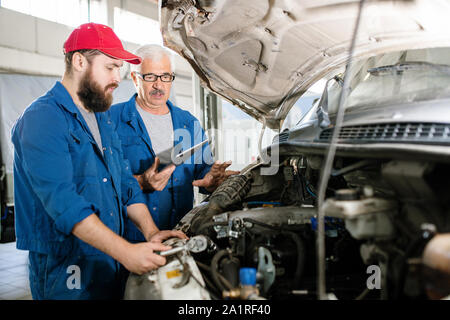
[{"x": 310, "y": 192}]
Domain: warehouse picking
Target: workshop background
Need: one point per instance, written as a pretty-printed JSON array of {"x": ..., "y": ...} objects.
[{"x": 32, "y": 33}]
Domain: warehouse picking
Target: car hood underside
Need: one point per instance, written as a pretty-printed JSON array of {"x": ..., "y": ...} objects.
[{"x": 262, "y": 55}]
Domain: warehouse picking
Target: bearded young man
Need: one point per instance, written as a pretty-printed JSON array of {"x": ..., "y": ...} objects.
[{"x": 73, "y": 189}]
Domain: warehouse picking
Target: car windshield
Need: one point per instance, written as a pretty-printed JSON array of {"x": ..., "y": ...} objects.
[
  {"x": 396, "y": 78},
  {"x": 301, "y": 111}
]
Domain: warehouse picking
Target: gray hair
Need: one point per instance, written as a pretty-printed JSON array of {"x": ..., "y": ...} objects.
[{"x": 151, "y": 51}]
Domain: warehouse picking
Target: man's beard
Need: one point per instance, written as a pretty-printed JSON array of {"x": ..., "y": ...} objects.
[{"x": 93, "y": 97}]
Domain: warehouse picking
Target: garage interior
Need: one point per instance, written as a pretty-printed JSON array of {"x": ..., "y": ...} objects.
[
  {"x": 31, "y": 60},
  {"x": 362, "y": 185}
]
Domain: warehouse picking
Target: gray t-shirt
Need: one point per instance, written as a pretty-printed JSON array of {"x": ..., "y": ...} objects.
[
  {"x": 159, "y": 128},
  {"x": 91, "y": 121}
]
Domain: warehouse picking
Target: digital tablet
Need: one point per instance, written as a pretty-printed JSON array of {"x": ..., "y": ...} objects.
[{"x": 170, "y": 156}]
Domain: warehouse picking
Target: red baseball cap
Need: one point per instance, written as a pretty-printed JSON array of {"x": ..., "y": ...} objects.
[{"x": 99, "y": 37}]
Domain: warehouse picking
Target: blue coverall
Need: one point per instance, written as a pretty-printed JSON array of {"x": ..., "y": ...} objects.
[
  {"x": 168, "y": 206},
  {"x": 60, "y": 178}
]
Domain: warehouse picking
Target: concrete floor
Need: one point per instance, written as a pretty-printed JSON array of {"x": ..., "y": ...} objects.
[{"x": 14, "y": 283}]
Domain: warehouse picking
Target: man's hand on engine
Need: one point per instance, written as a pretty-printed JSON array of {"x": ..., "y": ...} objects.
[
  {"x": 216, "y": 175},
  {"x": 142, "y": 257},
  {"x": 162, "y": 235}
]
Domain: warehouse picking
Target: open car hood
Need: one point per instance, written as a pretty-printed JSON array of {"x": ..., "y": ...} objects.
[{"x": 263, "y": 55}]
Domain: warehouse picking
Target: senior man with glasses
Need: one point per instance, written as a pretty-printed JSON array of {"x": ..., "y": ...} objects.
[{"x": 149, "y": 124}]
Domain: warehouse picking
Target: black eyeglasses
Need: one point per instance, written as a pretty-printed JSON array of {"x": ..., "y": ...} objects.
[{"x": 151, "y": 77}]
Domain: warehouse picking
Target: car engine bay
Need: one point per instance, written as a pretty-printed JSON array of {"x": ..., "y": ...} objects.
[
  {"x": 379, "y": 212},
  {"x": 379, "y": 225}
]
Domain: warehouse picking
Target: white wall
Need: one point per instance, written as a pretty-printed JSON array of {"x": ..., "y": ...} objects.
[
  {"x": 30, "y": 45},
  {"x": 142, "y": 7}
]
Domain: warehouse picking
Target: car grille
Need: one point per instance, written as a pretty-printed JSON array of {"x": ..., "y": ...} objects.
[
  {"x": 282, "y": 137},
  {"x": 392, "y": 132}
]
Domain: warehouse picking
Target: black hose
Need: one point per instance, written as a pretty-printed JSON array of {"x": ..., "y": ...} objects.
[
  {"x": 212, "y": 288},
  {"x": 208, "y": 268},
  {"x": 215, "y": 271},
  {"x": 300, "y": 256},
  {"x": 298, "y": 243}
]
